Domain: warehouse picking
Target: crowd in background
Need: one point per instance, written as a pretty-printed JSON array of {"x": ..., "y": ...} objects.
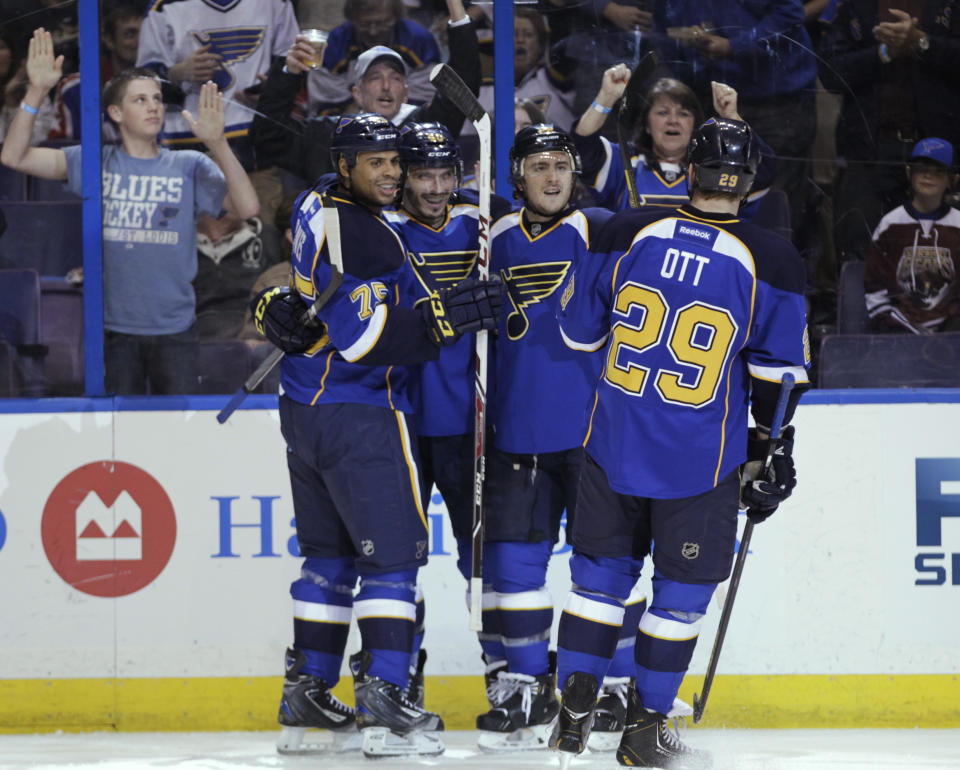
[{"x": 843, "y": 93}]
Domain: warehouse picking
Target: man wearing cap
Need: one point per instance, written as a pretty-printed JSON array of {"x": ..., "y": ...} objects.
[
  {"x": 301, "y": 146},
  {"x": 911, "y": 271}
]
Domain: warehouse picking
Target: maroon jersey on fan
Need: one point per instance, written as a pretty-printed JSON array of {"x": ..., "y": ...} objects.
[{"x": 911, "y": 272}]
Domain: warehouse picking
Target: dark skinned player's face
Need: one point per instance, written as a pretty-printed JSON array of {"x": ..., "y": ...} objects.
[{"x": 375, "y": 178}]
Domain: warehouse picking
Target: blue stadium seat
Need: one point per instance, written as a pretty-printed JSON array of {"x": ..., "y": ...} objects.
[
  {"x": 890, "y": 361},
  {"x": 45, "y": 236},
  {"x": 61, "y": 330},
  {"x": 224, "y": 365},
  {"x": 20, "y": 329},
  {"x": 48, "y": 190},
  {"x": 13, "y": 184},
  {"x": 851, "y": 301}
]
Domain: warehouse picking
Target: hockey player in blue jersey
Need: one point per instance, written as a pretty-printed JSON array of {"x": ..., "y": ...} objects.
[
  {"x": 699, "y": 316},
  {"x": 539, "y": 394},
  {"x": 671, "y": 112},
  {"x": 441, "y": 229},
  {"x": 346, "y": 416}
]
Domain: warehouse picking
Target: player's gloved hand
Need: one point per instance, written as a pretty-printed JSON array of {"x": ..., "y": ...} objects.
[
  {"x": 276, "y": 314},
  {"x": 468, "y": 307},
  {"x": 760, "y": 494}
]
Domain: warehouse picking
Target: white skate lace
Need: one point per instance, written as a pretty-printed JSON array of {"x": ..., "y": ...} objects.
[
  {"x": 670, "y": 734},
  {"x": 506, "y": 684},
  {"x": 618, "y": 687}
]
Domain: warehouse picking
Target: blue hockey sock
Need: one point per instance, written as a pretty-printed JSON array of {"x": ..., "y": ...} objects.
[
  {"x": 593, "y": 614},
  {"x": 322, "y": 607},
  {"x": 622, "y": 664},
  {"x": 489, "y": 637},
  {"x": 525, "y": 605},
  {"x": 386, "y": 614},
  {"x": 418, "y": 629},
  {"x": 667, "y": 638}
]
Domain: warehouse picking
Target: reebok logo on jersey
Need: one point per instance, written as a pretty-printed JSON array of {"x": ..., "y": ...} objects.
[{"x": 694, "y": 232}]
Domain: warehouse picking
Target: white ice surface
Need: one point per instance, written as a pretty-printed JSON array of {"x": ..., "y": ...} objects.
[{"x": 732, "y": 750}]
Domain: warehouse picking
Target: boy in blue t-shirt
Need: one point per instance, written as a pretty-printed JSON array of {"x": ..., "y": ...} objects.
[{"x": 151, "y": 200}]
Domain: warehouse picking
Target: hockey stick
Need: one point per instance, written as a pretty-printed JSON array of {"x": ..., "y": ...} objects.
[
  {"x": 630, "y": 104},
  {"x": 449, "y": 84},
  {"x": 700, "y": 703},
  {"x": 331, "y": 226}
]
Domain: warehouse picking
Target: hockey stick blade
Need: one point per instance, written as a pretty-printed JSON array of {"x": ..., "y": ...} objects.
[
  {"x": 700, "y": 702},
  {"x": 451, "y": 86},
  {"x": 634, "y": 96}
]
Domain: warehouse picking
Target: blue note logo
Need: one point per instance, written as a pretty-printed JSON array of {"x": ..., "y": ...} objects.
[{"x": 938, "y": 500}]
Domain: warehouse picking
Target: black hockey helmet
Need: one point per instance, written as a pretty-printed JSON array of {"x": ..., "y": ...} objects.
[
  {"x": 540, "y": 137},
  {"x": 430, "y": 144},
  {"x": 725, "y": 156},
  {"x": 364, "y": 132}
]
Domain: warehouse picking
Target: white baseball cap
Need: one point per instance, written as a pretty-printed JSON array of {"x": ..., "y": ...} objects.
[{"x": 376, "y": 53}]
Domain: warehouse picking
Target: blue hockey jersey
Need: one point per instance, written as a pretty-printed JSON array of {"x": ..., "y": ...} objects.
[
  {"x": 441, "y": 391},
  {"x": 357, "y": 315},
  {"x": 541, "y": 389},
  {"x": 692, "y": 312}
]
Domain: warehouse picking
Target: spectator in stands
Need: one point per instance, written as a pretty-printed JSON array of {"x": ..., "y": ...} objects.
[
  {"x": 13, "y": 85},
  {"x": 911, "y": 278},
  {"x": 192, "y": 41},
  {"x": 763, "y": 50},
  {"x": 302, "y": 147},
  {"x": 119, "y": 39},
  {"x": 151, "y": 198},
  {"x": 899, "y": 78},
  {"x": 371, "y": 23},
  {"x": 548, "y": 84},
  {"x": 664, "y": 127},
  {"x": 231, "y": 253}
]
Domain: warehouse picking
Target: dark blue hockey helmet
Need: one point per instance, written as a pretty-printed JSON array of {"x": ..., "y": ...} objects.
[
  {"x": 725, "y": 156},
  {"x": 540, "y": 137},
  {"x": 364, "y": 132},
  {"x": 430, "y": 144}
]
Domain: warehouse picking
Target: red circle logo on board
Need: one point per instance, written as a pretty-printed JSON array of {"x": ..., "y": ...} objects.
[{"x": 108, "y": 528}]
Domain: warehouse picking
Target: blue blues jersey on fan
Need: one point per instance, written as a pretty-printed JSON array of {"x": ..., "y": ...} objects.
[
  {"x": 540, "y": 390},
  {"x": 355, "y": 316},
  {"x": 658, "y": 184},
  {"x": 693, "y": 311}
]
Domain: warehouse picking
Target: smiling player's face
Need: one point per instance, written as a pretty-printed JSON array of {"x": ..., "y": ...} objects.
[{"x": 375, "y": 177}]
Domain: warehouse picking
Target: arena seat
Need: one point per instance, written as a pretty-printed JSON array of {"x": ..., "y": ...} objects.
[
  {"x": 20, "y": 328},
  {"x": 61, "y": 330},
  {"x": 890, "y": 361},
  {"x": 224, "y": 365},
  {"x": 851, "y": 303},
  {"x": 44, "y": 235},
  {"x": 13, "y": 184}
]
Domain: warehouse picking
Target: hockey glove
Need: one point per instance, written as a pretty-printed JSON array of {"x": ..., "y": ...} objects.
[
  {"x": 761, "y": 495},
  {"x": 468, "y": 307},
  {"x": 276, "y": 314}
]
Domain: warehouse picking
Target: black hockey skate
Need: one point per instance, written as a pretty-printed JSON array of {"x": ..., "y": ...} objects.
[
  {"x": 648, "y": 741},
  {"x": 307, "y": 703},
  {"x": 523, "y": 708},
  {"x": 610, "y": 714},
  {"x": 391, "y": 725},
  {"x": 415, "y": 692},
  {"x": 572, "y": 728}
]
